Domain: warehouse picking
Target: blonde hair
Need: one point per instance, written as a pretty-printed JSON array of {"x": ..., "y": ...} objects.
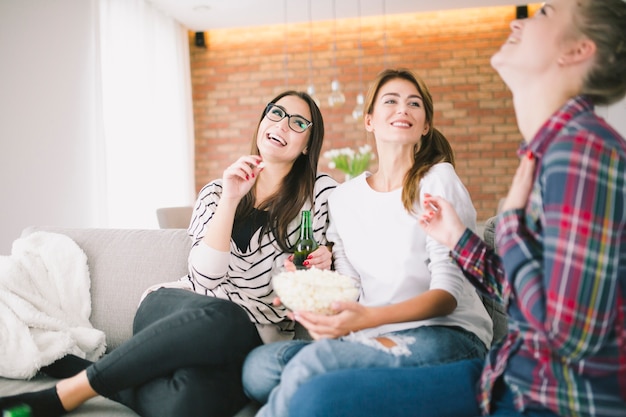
[{"x": 604, "y": 23}]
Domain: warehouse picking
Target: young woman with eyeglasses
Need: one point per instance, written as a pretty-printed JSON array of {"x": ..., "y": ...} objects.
[
  {"x": 191, "y": 336},
  {"x": 560, "y": 265}
]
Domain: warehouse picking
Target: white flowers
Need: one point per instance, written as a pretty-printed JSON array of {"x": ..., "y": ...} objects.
[{"x": 349, "y": 161}]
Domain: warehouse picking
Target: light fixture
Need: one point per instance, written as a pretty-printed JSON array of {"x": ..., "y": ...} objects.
[
  {"x": 385, "y": 33},
  {"x": 201, "y": 8},
  {"x": 311, "y": 91},
  {"x": 336, "y": 97},
  {"x": 358, "y": 111},
  {"x": 311, "y": 88},
  {"x": 285, "y": 46}
]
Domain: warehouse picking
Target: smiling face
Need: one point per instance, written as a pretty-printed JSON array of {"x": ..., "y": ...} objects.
[
  {"x": 398, "y": 113},
  {"x": 537, "y": 46},
  {"x": 276, "y": 141}
]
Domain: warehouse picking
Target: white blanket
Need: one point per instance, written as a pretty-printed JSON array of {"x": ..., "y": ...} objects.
[{"x": 45, "y": 305}]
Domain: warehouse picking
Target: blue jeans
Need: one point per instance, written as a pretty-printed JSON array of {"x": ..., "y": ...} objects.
[
  {"x": 274, "y": 372},
  {"x": 435, "y": 391}
]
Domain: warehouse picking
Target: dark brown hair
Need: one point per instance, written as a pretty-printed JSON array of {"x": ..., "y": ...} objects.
[
  {"x": 298, "y": 185},
  {"x": 433, "y": 147}
]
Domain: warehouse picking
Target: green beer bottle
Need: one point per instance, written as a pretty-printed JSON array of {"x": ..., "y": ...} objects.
[{"x": 306, "y": 243}]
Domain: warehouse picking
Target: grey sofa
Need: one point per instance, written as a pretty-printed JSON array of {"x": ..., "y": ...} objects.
[{"x": 122, "y": 264}]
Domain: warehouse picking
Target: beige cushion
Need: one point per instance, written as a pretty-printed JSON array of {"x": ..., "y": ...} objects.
[
  {"x": 489, "y": 233},
  {"x": 494, "y": 308},
  {"x": 174, "y": 217}
]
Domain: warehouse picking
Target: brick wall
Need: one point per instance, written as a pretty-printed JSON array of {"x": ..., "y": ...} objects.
[{"x": 242, "y": 69}]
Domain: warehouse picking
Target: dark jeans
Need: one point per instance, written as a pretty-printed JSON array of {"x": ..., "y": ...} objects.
[
  {"x": 432, "y": 391},
  {"x": 184, "y": 358}
]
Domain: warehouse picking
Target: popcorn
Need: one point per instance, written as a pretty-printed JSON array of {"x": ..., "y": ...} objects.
[{"x": 314, "y": 289}]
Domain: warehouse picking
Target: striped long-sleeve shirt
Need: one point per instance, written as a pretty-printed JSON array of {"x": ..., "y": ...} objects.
[
  {"x": 244, "y": 275},
  {"x": 565, "y": 281}
]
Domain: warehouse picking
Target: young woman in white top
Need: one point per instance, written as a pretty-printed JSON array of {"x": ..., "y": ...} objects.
[
  {"x": 415, "y": 308},
  {"x": 191, "y": 336}
]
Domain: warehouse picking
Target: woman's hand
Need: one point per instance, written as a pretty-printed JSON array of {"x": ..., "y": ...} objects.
[
  {"x": 522, "y": 185},
  {"x": 441, "y": 221},
  {"x": 320, "y": 258},
  {"x": 351, "y": 316},
  {"x": 239, "y": 177},
  {"x": 289, "y": 265}
]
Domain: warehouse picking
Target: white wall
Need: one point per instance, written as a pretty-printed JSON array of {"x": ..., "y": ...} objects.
[{"x": 47, "y": 115}]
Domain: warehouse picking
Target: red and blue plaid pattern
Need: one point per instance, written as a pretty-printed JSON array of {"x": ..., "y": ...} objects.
[{"x": 565, "y": 280}]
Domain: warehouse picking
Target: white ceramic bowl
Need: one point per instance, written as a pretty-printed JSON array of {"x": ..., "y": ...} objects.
[{"x": 314, "y": 289}]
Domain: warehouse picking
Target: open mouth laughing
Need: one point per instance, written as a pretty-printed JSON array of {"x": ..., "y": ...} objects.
[
  {"x": 275, "y": 138},
  {"x": 401, "y": 123}
]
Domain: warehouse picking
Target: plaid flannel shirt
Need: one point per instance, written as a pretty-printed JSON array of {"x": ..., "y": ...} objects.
[{"x": 565, "y": 280}]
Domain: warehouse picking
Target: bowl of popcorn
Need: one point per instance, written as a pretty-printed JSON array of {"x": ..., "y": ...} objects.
[{"x": 314, "y": 289}]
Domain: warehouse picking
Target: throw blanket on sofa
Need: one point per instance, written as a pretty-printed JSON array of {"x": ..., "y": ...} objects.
[{"x": 45, "y": 304}]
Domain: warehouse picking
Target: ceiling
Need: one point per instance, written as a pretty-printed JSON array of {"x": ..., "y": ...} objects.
[{"x": 203, "y": 15}]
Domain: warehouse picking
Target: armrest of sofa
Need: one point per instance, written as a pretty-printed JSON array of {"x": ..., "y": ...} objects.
[
  {"x": 489, "y": 233},
  {"x": 494, "y": 308}
]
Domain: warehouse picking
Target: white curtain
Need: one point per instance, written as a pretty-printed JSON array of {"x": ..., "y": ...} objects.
[{"x": 147, "y": 145}]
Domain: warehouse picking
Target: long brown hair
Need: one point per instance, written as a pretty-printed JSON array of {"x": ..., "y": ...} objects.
[
  {"x": 298, "y": 185},
  {"x": 432, "y": 148}
]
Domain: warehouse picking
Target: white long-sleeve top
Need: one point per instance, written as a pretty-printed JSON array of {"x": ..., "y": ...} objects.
[
  {"x": 245, "y": 276},
  {"x": 378, "y": 242}
]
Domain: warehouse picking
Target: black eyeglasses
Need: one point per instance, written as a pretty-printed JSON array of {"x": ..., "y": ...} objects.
[{"x": 297, "y": 123}]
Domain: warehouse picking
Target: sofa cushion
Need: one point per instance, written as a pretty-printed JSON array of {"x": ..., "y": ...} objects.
[
  {"x": 122, "y": 264},
  {"x": 489, "y": 232},
  {"x": 494, "y": 308}
]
